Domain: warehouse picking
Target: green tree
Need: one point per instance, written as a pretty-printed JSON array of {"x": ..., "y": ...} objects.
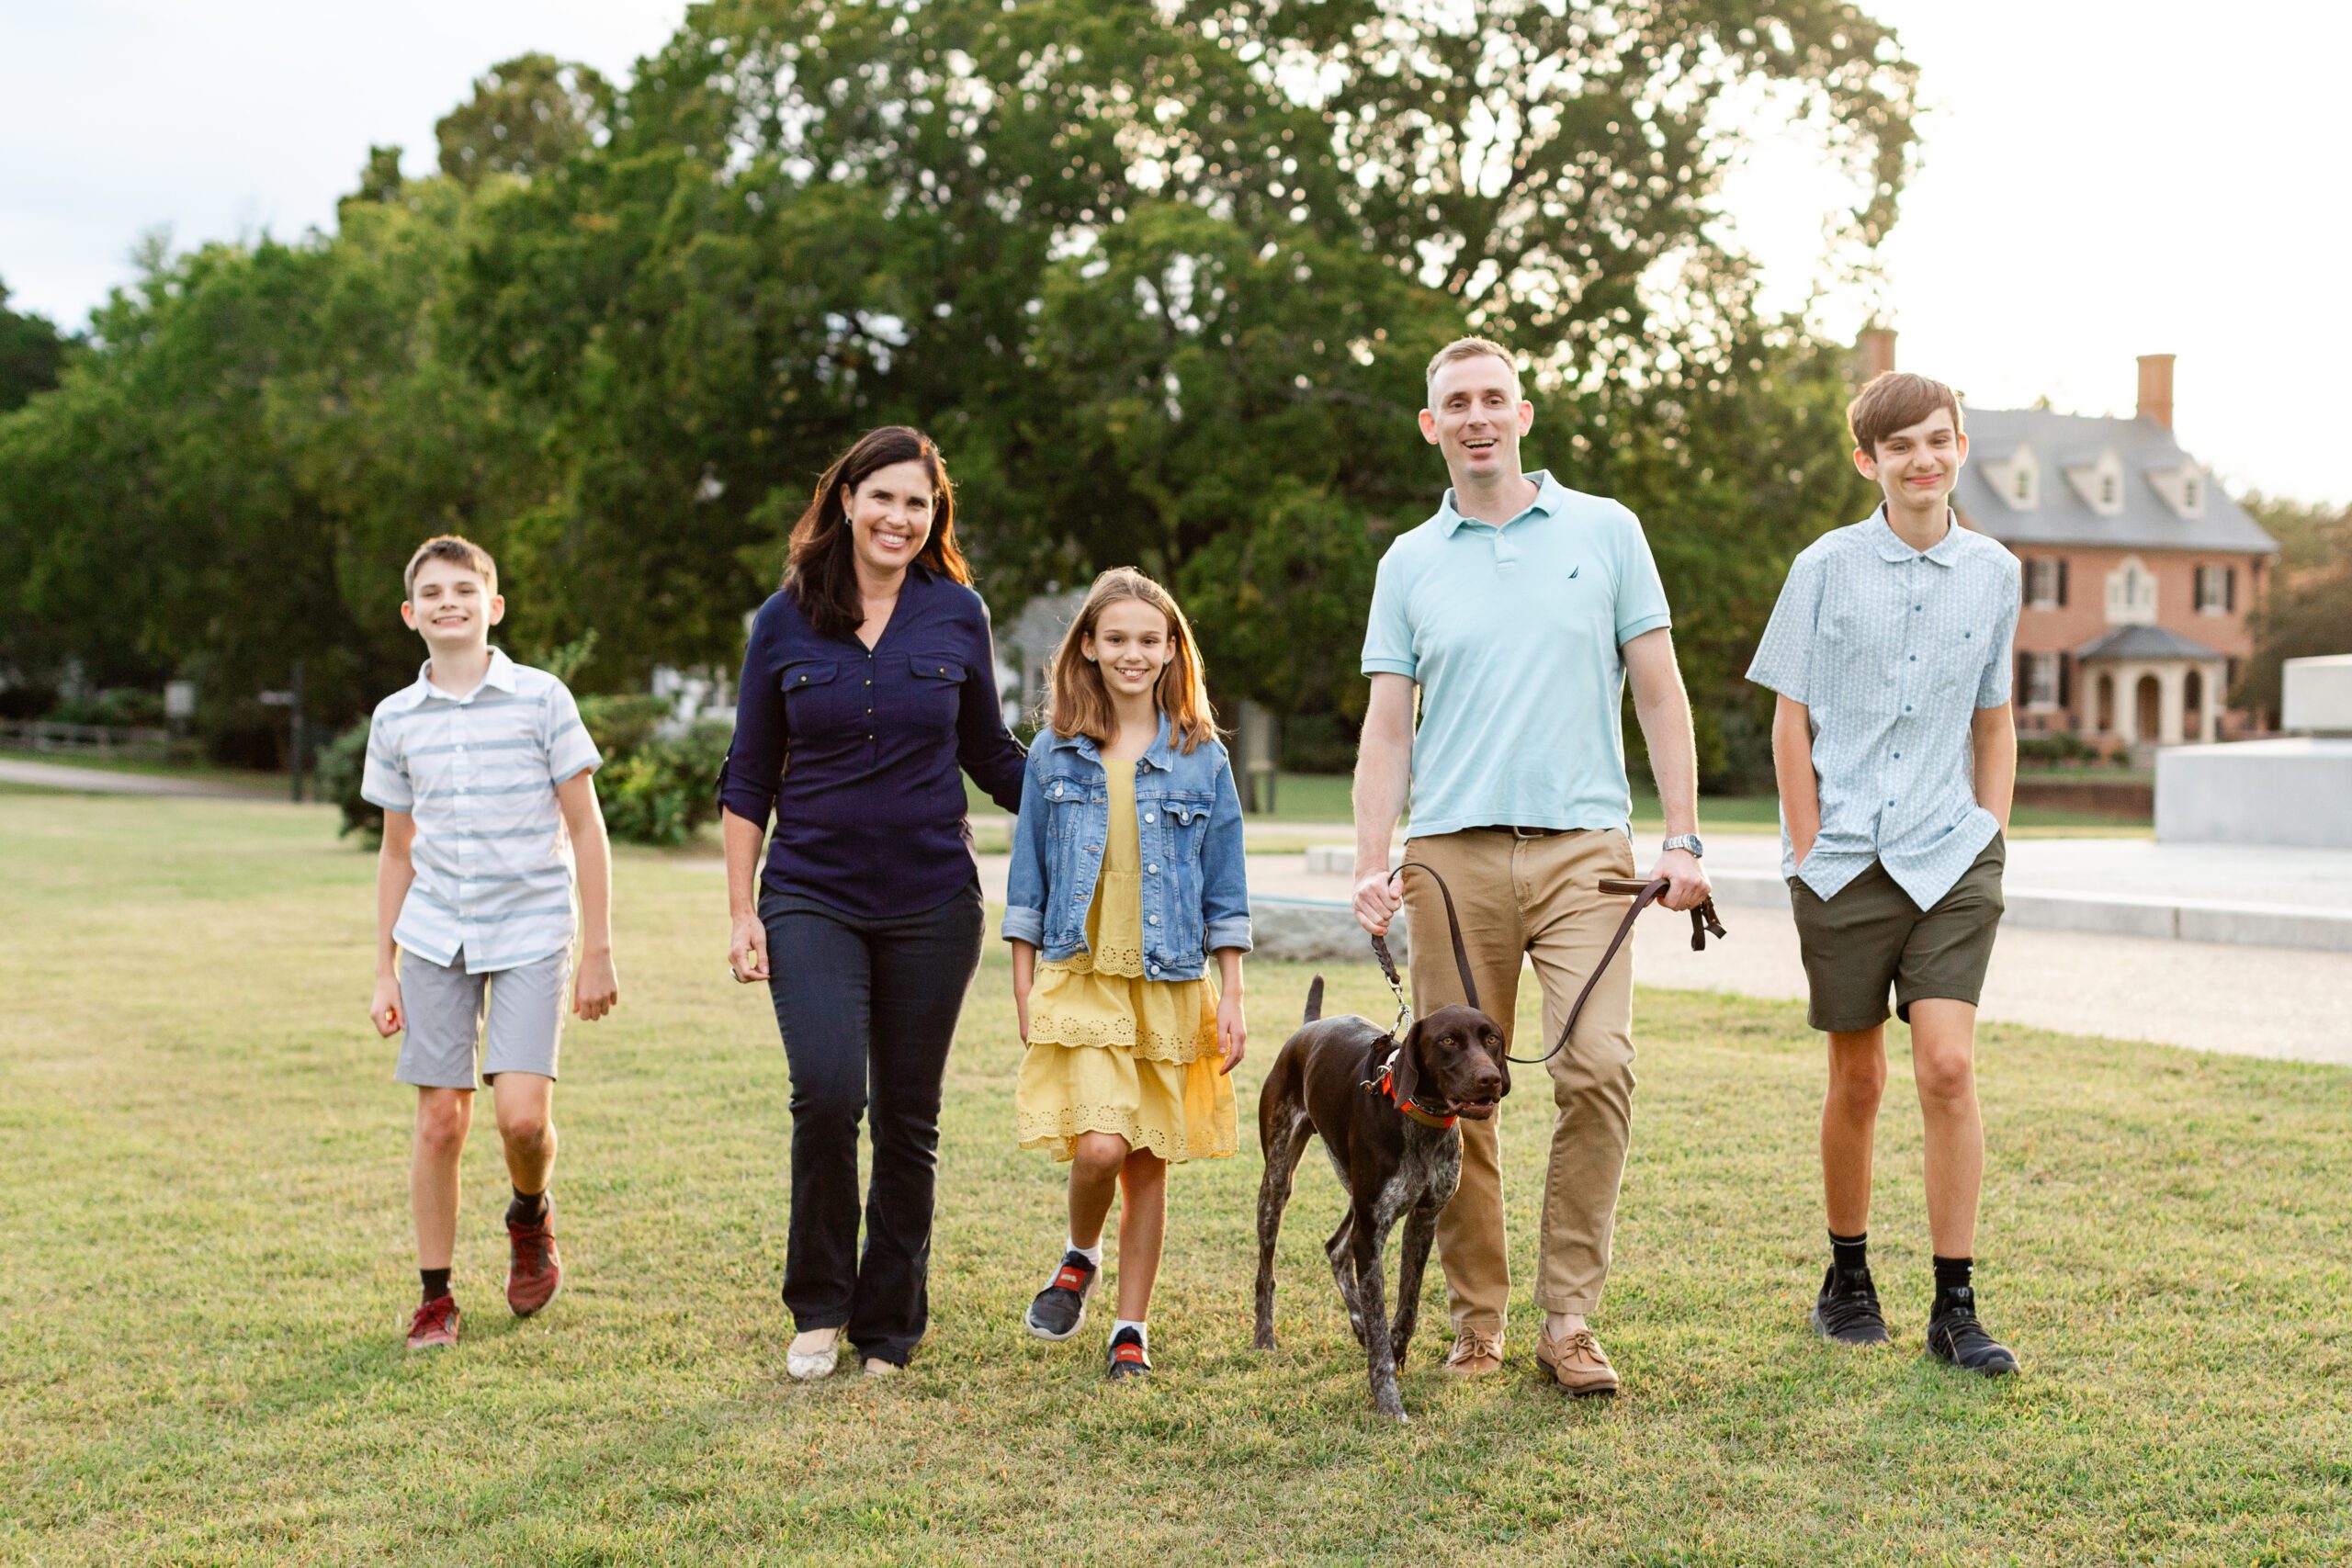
[
  {"x": 2307, "y": 610},
  {"x": 527, "y": 116},
  {"x": 32, "y": 352}
]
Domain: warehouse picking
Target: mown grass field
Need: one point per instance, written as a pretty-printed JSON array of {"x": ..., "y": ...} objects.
[{"x": 208, "y": 1261}]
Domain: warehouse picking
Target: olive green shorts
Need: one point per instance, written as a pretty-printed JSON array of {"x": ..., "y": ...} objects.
[{"x": 1870, "y": 937}]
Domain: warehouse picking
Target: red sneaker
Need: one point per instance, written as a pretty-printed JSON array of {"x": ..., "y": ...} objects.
[
  {"x": 536, "y": 1272},
  {"x": 434, "y": 1326}
]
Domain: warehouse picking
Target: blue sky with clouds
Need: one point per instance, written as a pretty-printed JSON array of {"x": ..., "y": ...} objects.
[{"x": 2099, "y": 180}]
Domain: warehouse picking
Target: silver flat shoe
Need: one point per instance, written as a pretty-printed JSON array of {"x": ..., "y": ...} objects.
[{"x": 808, "y": 1366}]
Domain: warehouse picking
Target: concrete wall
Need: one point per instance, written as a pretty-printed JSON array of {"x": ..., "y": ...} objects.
[{"x": 2295, "y": 792}]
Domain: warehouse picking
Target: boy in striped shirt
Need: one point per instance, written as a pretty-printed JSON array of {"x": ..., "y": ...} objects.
[{"x": 481, "y": 768}]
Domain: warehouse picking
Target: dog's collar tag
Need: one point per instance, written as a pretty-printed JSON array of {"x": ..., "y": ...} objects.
[{"x": 1385, "y": 1086}]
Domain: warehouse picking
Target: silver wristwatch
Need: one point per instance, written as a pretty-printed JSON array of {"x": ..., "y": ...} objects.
[{"x": 1687, "y": 841}]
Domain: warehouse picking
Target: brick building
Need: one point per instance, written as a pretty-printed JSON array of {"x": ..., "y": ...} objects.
[{"x": 2139, "y": 568}]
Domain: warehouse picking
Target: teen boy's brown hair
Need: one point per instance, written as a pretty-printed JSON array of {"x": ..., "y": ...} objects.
[
  {"x": 1896, "y": 401},
  {"x": 458, "y": 552}
]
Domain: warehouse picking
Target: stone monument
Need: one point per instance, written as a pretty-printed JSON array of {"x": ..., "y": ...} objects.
[{"x": 2294, "y": 791}]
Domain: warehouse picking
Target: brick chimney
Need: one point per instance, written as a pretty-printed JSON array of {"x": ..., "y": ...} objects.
[
  {"x": 1876, "y": 352},
  {"x": 2156, "y": 387}
]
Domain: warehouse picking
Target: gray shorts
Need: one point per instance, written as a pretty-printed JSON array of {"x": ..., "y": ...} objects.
[{"x": 514, "y": 1016}]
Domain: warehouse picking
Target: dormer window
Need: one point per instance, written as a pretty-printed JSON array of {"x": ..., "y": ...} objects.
[
  {"x": 2182, "y": 488},
  {"x": 2099, "y": 481},
  {"x": 2016, "y": 479}
]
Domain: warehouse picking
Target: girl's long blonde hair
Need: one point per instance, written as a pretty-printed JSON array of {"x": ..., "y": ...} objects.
[{"x": 1076, "y": 703}]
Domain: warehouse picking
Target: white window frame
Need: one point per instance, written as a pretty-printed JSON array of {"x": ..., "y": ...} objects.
[
  {"x": 2041, "y": 582},
  {"x": 2041, "y": 682},
  {"x": 2216, "y": 602}
]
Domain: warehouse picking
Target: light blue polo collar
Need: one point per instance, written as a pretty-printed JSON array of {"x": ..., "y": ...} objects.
[
  {"x": 500, "y": 676},
  {"x": 1550, "y": 496},
  {"x": 1160, "y": 754},
  {"x": 1891, "y": 546}
]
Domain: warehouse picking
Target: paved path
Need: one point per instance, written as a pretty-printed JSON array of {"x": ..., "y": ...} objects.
[
  {"x": 106, "y": 781},
  {"x": 2258, "y": 1001}
]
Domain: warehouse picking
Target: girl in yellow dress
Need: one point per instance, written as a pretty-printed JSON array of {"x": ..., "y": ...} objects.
[{"x": 1127, "y": 871}]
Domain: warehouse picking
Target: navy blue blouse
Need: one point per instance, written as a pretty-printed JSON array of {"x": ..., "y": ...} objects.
[{"x": 857, "y": 751}]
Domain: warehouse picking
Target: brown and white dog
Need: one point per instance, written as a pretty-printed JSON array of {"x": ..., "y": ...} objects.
[{"x": 1386, "y": 1110}]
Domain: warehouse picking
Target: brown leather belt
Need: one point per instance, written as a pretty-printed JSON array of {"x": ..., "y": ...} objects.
[{"x": 1518, "y": 832}]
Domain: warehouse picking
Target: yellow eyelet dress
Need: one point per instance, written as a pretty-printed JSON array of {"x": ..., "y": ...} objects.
[{"x": 1110, "y": 1051}]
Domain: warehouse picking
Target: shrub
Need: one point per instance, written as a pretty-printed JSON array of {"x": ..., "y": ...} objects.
[
  {"x": 2055, "y": 750},
  {"x": 663, "y": 790},
  {"x": 654, "y": 789},
  {"x": 342, "y": 763}
]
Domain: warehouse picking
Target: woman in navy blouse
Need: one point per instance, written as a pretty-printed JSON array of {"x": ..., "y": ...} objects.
[{"x": 869, "y": 683}]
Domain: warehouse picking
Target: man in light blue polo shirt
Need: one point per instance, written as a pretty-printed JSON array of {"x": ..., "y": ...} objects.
[
  {"x": 1518, "y": 611},
  {"x": 1895, "y": 750}
]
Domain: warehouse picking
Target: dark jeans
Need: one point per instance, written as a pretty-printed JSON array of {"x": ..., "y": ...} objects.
[{"x": 867, "y": 1007}]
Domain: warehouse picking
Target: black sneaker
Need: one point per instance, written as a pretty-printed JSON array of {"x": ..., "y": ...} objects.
[
  {"x": 1848, "y": 1312},
  {"x": 1955, "y": 1336},
  {"x": 1060, "y": 1307},
  {"x": 1127, "y": 1359}
]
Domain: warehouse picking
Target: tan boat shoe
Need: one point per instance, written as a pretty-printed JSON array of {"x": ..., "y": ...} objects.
[
  {"x": 1578, "y": 1363},
  {"x": 1474, "y": 1354}
]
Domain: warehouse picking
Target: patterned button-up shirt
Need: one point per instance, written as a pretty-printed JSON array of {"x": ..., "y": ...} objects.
[
  {"x": 1892, "y": 650},
  {"x": 479, "y": 771}
]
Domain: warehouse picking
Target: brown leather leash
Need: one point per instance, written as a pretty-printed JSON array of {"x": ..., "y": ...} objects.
[{"x": 1703, "y": 924}]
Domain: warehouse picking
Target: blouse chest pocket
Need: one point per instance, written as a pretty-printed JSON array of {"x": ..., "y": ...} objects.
[
  {"x": 936, "y": 683},
  {"x": 811, "y": 694}
]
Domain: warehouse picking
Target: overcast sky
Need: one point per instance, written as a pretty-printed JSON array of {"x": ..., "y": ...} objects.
[{"x": 2099, "y": 180}]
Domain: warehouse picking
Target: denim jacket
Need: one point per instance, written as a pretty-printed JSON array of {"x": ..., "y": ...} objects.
[{"x": 1188, "y": 817}]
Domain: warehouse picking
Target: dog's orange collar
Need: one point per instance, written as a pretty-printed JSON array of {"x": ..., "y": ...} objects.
[{"x": 1389, "y": 1092}]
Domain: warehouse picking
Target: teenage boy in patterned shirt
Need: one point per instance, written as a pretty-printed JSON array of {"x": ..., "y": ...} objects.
[
  {"x": 482, "y": 770},
  {"x": 1895, "y": 750}
]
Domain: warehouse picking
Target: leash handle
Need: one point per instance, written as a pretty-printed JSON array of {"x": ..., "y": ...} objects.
[{"x": 1644, "y": 894}]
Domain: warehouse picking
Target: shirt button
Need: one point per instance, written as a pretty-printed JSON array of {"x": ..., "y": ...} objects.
[
  {"x": 1898, "y": 755},
  {"x": 1907, "y": 708},
  {"x": 1914, "y": 659},
  {"x": 1890, "y": 803},
  {"x": 1149, "y": 817},
  {"x": 1153, "y": 868},
  {"x": 1152, "y": 920},
  {"x": 869, "y": 683}
]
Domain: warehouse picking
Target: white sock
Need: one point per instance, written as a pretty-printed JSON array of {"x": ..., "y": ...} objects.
[
  {"x": 1142, "y": 1333},
  {"x": 1092, "y": 1254}
]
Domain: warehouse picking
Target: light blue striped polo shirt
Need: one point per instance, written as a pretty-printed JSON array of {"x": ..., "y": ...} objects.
[
  {"x": 1893, "y": 650},
  {"x": 1513, "y": 634},
  {"x": 479, "y": 771}
]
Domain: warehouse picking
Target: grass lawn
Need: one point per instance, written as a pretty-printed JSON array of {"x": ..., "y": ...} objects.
[{"x": 208, "y": 1261}]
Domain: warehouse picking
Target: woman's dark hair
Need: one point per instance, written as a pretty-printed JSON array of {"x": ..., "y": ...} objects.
[{"x": 820, "y": 567}]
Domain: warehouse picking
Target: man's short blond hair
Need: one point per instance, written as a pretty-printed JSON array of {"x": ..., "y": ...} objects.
[
  {"x": 1466, "y": 348},
  {"x": 457, "y": 551}
]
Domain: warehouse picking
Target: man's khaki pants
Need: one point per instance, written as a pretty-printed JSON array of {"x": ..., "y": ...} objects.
[{"x": 1537, "y": 897}]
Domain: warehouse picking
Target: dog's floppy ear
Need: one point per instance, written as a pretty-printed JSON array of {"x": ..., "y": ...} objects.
[
  {"x": 1405, "y": 1078},
  {"x": 1500, "y": 1052}
]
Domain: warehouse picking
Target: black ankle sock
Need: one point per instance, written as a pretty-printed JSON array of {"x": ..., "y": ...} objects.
[
  {"x": 1953, "y": 1277},
  {"x": 527, "y": 1209},
  {"x": 437, "y": 1282},
  {"x": 1850, "y": 1253}
]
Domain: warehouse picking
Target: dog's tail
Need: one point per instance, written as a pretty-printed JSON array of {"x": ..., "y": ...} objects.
[{"x": 1315, "y": 1001}]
